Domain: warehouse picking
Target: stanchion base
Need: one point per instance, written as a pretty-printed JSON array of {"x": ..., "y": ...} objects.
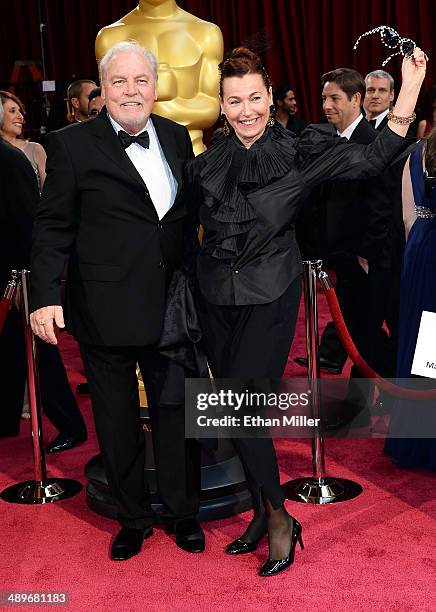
[
  {"x": 41, "y": 491},
  {"x": 327, "y": 491}
]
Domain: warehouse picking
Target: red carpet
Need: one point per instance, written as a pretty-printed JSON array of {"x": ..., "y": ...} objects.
[{"x": 376, "y": 552}]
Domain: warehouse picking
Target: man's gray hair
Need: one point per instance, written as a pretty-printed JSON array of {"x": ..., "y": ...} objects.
[
  {"x": 1, "y": 113},
  {"x": 127, "y": 46},
  {"x": 380, "y": 74}
]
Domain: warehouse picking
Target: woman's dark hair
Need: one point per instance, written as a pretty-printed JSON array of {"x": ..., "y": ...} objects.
[
  {"x": 7, "y": 95},
  {"x": 427, "y": 104},
  {"x": 430, "y": 153},
  {"x": 239, "y": 62}
]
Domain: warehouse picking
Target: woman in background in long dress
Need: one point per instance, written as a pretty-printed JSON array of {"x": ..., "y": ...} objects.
[{"x": 418, "y": 293}]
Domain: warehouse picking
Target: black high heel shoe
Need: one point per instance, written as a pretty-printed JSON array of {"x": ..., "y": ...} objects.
[
  {"x": 275, "y": 566},
  {"x": 239, "y": 547}
]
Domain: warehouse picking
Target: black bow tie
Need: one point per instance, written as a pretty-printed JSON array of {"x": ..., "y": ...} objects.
[{"x": 142, "y": 139}]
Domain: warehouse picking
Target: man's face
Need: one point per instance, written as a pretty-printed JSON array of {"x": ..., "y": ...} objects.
[
  {"x": 95, "y": 106},
  {"x": 129, "y": 90},
  {"x": 378, "y": 96},
  {"x": 289, "y": 102},
  {"x": 339, "y": 110},
  {"x": 80, "y": 104}
]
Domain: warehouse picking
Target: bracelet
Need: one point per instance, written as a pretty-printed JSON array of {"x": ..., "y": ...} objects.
[{"x": 401, "y": 120}]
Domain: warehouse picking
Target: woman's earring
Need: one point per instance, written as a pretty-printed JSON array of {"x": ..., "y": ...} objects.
[
  {"x": 226, "y": 126},
  {"x": 271, "y": 121}
]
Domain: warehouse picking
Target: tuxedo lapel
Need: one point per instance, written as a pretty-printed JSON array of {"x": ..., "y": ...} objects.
[
  {"x": 363, "y": 133},
  {"x": 109, "y": 144}
]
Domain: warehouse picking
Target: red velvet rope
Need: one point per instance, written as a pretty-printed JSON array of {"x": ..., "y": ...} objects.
[
  {"x": 5, "y": 304},
  {"x": 358, "y": 360}
]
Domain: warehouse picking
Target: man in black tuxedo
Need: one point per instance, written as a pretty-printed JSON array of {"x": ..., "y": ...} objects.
[
  {"x": 78, "y": 97},
  {"x": 348, "y": 237},
  {"x": 114, "y": 203},
  {"x": 388, "y": 235},
  {"x": 286, "y": 107},
  {"x": 379, "y": 96}
]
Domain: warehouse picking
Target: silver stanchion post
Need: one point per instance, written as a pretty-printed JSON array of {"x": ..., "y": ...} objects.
[
  {"x": 41, "y": 490},
  {"x": 318, "y": 489}
]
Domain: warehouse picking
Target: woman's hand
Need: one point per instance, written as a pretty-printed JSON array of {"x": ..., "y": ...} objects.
[{"x": 414, "y": 68}]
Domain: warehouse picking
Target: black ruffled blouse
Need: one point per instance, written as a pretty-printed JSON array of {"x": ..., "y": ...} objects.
[{"x": 247, "y": 201}]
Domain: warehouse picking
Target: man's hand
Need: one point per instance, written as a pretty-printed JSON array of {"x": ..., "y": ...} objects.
[
  {"x": 363, "y": 263},
  {"x": 42, "y": 319}
]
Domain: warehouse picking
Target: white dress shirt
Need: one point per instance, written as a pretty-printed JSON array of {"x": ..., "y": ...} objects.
[
  {"x": 379, "y": 118},
  {"x": 153, "y": 169},
  {"x": 350, "y": 129}
]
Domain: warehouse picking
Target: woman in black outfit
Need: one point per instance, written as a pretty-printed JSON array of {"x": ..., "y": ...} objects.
[{"x": 247, "y": 189}]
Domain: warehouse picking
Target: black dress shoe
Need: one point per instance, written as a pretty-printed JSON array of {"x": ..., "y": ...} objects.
[
  {"x": 325, "y": 364},
  {"x": 239, "y": 547},
  {"x": 189, "y": 536},
  {"x": 62, "y": 442},
  {"x": 128, "y": 542},
  {"x": 271, "y": 567}
]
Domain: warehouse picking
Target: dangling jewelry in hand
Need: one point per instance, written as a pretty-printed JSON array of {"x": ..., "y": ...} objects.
[{"x": 392, "y": 40}]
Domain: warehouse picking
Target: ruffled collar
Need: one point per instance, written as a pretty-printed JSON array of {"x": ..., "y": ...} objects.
[{"x": 228, "y": 171}]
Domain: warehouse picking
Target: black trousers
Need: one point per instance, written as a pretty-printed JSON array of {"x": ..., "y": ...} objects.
[
  {"x": 58, "y": 401},
  {"x": 351, "y": 289},
  {"x": 253, "y": 342},
  {"x": 366, "y": 300},
  {"x": 111, "y": 374}
]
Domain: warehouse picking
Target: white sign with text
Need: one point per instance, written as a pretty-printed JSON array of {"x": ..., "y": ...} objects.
[{"x": 424, "y": 361}]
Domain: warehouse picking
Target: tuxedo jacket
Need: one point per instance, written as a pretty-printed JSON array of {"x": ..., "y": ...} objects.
[
  {"x": 383, "y": 123},
  {"x": 19, "y": 197},
  {"x": 96, "y": 212},
  {"x": 344, "y": 219}
]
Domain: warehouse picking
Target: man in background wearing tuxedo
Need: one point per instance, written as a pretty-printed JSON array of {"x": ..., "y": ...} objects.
[
  {"x": 114, "y": 204},
  {"x": 350, "y": 218},
  {"x": 379, "y": 96},
  {"x": 78, "y": 97},
  {"x": 286, "y": 107}
]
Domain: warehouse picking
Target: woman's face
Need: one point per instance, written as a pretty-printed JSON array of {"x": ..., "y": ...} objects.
[
  {"x": 245, "y": 102},
  {"x": 13, "y": 119}
]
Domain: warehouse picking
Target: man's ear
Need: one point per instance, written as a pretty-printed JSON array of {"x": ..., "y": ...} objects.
[
  {"x": 357, "y": 98},
  {"x": 75, "y": 102}
]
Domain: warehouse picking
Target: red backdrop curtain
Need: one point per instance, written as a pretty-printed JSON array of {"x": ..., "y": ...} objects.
[{"x": 298, "y": 39}]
